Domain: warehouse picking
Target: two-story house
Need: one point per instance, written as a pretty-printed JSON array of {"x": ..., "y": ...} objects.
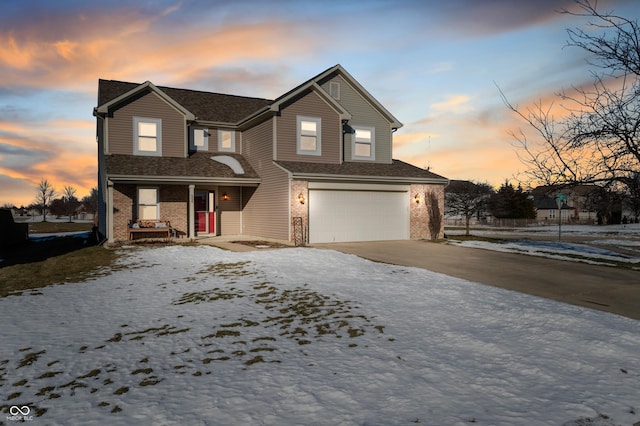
[{"x": 319, "y": 157}]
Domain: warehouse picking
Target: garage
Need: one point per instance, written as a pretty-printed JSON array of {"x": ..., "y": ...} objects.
[{"x": 352, "y": 212}]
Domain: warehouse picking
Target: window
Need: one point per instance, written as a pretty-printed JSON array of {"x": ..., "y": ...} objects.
[
  {"x": 334, "y": 90},
  {"x": 199, "y": 139},
  {"x": 363, "y": 143},
  {"x": 148, "y": 206},
  {"x": 226, "y": 140},
  {"x": 309, "y": 135},
  {"x": 147, "y": 136}
]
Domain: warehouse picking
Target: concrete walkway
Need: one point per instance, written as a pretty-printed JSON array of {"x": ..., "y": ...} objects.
[{"x": 606, "y": 288}]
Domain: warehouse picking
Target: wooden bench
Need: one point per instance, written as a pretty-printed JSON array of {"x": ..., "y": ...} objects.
[{"x": 161, "y": 227}]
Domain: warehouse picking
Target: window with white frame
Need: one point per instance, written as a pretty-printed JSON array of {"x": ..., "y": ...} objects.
[
  {"x": 199, "y": 139},
  {"x": 226, "y": 140},
  {"x": 309, "y": 130},
  {"x": 148, "y": 204},
  {"x": 147, "y": 136},
  {"x": 363, "y": 145}
]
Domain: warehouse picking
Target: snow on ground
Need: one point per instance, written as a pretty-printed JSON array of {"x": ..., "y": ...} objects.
[
  {"x": 627, "y": 237},
  {"x": 197, "y": 335},
  {"x": 596, "y": 231},
  {"x": 555, "y": 250}
]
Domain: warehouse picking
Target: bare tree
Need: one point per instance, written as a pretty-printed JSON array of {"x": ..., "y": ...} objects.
[
  {"x": 435, "y": 215},
  {"x": 598, "y": 138},
  {"x": 90, "y": 202},
  {"x": 467, "y": 199},
  {"x": 45, "y": 193},
  {"x": 71, "y": 203}
]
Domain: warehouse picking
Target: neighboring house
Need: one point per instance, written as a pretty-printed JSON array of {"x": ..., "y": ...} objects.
[
  {"x": 547, "y": 211},
  {"x": 579, "y": 207},
  {"x": 319, "y": 156}
]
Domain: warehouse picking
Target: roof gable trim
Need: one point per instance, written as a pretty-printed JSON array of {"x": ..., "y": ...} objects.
[
  {"x": 395, "y": 123},
  {"x": 104, "y": 108},
  {"x": 313, "y": 86}
]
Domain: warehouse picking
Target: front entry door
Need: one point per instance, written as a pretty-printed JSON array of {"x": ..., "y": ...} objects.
[{"x": 204, "y": 206}]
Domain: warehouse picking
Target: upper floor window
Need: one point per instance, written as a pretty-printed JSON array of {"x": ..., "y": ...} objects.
[
  {"x": 148, "y": 205},
  {"x": 363, "y": 146},
  {"x": 309, "y": 135},
  {"x": 147, "y": 136},
  {"x": 226, "y": 140},
  {"x": 199, "y": 139}
]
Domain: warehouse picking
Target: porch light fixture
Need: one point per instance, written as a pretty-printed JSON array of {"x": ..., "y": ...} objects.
[
  {"x": 225, "y": 197},
  {"x": 301, "y": 198},
  {"x": 417, "y": 198}
]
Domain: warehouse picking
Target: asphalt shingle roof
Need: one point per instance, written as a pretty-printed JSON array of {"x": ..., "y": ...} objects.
[
  {"x": 397, "y": 169},
  {"x": 199, "y": 165},
  {"x": 204, "y": 105}
]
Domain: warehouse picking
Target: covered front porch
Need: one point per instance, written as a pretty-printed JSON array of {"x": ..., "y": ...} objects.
[{"x": 193, "y": 209}]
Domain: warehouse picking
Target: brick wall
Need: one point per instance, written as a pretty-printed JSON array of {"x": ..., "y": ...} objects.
[
  {"x": 298, "y": 209},
  {"x": 419, "y": 212},
  {"x": 123, "y": 210},
  {"x": 173, "y": 207}
]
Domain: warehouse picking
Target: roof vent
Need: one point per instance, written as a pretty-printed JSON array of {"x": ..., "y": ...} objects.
[{"x": 334, "y": 89}]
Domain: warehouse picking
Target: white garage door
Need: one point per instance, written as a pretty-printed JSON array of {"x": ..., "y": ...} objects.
[{"x": 354, "y": 215}]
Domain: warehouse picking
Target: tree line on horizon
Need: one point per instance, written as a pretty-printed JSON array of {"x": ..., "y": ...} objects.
[{"x": 67, "y": 204}]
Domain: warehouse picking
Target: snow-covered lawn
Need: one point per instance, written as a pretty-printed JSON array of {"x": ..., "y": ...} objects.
[
  {"x": 559, "y": 250},
  {"x": 197, "y": 335},
  {"x": 593, "y": 251}
]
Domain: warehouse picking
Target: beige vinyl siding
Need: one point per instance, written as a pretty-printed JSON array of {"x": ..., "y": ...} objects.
[
  {"x": 310, "y": 105},
  {"x": 230, "y": 210},
  {"x": 363, "y": 114},
  {"x": 266, "y": 208},
  {"x": 149, "y": 105}
]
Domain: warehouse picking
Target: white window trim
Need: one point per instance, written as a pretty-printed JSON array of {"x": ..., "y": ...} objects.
[
  {"x": 157, "y": 189},
  {"x": 372, "y": 155},
  {"x": 192, "y": 141},
  {"x": 318, "y": 121},
  {"x": 233, "y": 140},
  {"x": 158, "y": 123}
]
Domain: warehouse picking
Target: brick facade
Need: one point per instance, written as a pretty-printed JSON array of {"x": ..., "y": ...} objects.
[
  {"x": 419, "y": 212},
  {"x": 173, "y": 207},
  {"x": 298, "y": 209}
]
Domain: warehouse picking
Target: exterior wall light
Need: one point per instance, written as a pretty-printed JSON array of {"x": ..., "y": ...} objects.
[
  {"x": 417, "y": 198},
  {"x": 225, "y": 197},
  {"x": 301, "y": 198}
]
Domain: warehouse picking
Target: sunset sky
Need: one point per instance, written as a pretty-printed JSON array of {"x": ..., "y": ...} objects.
[{"x": 433, "y": 64}]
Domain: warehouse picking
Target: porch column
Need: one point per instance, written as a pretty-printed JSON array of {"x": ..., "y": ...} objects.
[
  {"x": 191, "y": 218},
  {"x": 109, "y": 212}
]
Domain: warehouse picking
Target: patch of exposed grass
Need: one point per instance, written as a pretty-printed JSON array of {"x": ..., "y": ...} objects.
[
  {"x": 91, "y": 373},
  {"x": 30, "y": 358},
  {"x": 49, "y": 374},
  {"x": 150, "y": 381},
  {"x": 39, "y": 264},
  {"x": 55, "y": 227},
  {"x": 475, "y": 238},
  {"x": 120, "y": 391}
]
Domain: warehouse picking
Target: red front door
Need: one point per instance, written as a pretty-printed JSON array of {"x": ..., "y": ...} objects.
[{"x": 205, "y": 215}]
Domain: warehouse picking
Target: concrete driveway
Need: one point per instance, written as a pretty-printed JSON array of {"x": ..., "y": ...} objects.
[{"x": 606, "y": 288}]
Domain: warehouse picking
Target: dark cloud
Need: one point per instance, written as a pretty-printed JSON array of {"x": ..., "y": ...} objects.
[
  {"x": 471, "y": 17},
  {"x": 22, "y": 159}
]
